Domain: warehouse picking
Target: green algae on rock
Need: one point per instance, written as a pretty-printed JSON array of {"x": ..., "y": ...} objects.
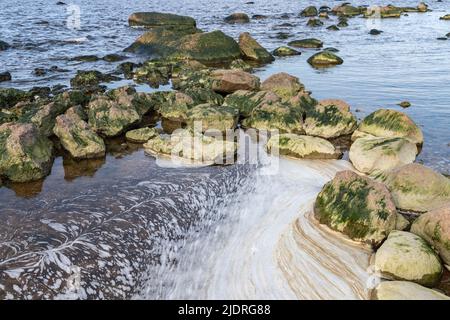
[
  {"x": 389, "y": 123},
  {"x": 238, "y": 17},
  {"x": 141, "y": 135},
  {"x": 347, "y": 10},
  {"x": 9, "y": 97},
  {"x": 300, "y": 146},
  {"x": 285, "y": 52},
  {"x": 357, "y": 206},
  {"x": 25, "y": 154},
  {"x": 252, "y": 50},
  {"x": 158, "y": 19},
  {"x": 376, "y": 156},
  {"x": 406, "y": 256},
  {"x": 246, "y": 101},
  {"x": 325, "y": 59},
  {"x": 306, "y": 43},
  {"x": 417, "y": 188},
  {"x": 240, "y": 64},
  {"x": 330, "y": 119},
  {"x": 314, "y": 22},
  {"x": 434, "y": 227},
  {"x": 284, "y": 85},
  {"x": 77, "y": 137},
  {"x": 209, "y": 117},
  {"x": 310, "y": 11}
]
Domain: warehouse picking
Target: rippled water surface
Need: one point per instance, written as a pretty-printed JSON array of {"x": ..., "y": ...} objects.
[{"x": 103, "y": 229}]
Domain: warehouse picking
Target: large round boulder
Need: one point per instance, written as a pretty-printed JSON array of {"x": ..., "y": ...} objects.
[
  {"x": 405, "y": 290},
  {"x": 300, "y": 146},
  {"x": 284, "y": 85},
  {"x": 158, "y": 19},
  {"x": 77, "y": 137},
  {"x": 415, "y": 187},
  {"x": 375, "y": 156},
  {"x": 434, "y": 227},
  {"x": 252, "y": 50},
  {"x": 25, "y": 153},
  {"x": 357, "y": 206},
  {"x": 389, "y": 124},
  {"x": 325, "y": 59},
  {"x": 406, "y": 256},
  {"x": 229, "y": 81},
  {"x": 331, "y": 118}
]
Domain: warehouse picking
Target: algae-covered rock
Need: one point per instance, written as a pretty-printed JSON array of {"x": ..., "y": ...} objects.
[
  {"x": 310, "y": 11},
  {"x": 209, "y": 117},
  {"x": 25, "y": 154},
  {"x": 252, "y": 50},
  {"x": 229, "y": 81},
  {"x": 285, "y": 52},
  {"x": 300, "y": 146},
  {"x": 90, "y": 78},
  {"x": 237, "y": 17},
  {"x": 389, "y": 124},
  {"x": 314, "y": 22},
  {"x": 194, "y": 147},
  {"x": 434, "y": 227},
  {"x": 9, "y": 97},
  {"x": 357, "y": 206},
  {"x": 158, "y": 19},
  {"x": 325, "y": 59},
  {"x": 329, "y": 119},
  {"x": 77, "y": 137},
  {"x": 406, "y": 256},
  {"x": 141, "y": 135},
  {"x": 405, "y": 290},
  {"x": 4, "y": 45},
  {"x": 415, "y": 187},
  {"x": 376, "y": 156},
  {"x": 240, "y": 64},
  {"x": 154, "y": 72},
  {"x": 284, "y": 85},
  {"x": 246, "y": 101},
  {"x": 446, "y": 17},
  {"x": 346, "y": 10},
  {"x": 306, "y": 43}
]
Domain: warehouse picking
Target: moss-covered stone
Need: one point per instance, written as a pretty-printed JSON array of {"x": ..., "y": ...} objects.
[
  {"x": 330, "y": 119},
  {"x": 246, "y": 101},
  {"x": 445, "y": 17},
  {"x": 240, "y": 64},
  {"x": 310, "y": 11},
  {"x": 415, "y": 187},
  {"x": 390, "y": 123},
  {"x": 238, "y": 17},
  {"x": 284, "y": 85},
  {"x": 77, "y": 137},
  {"x": 347, "y": 10},
  {"x": 209, "y": 117},
  {"x": 314, "y": 22},
  {"x": 300, "y": 146},
  {"x": 434, "y": 227},
  {"x": 25, "y": 154},
  {"x": 9, "y": 97},
  {"x": 325, "y": 59},
  {"x": 4, "y": 45},
  {"x": 154, "y": 72},
  {"x": 141, "y": 135},
  {"x": 357, "y": 206},
  {"x": 158, "y": 19},
  {"x": 405, "y": 290},
  {"x": 406, "y": 256},
  {"x": 252, "y": 50},
  {"x": 285, "y": 52},
  {"x": 90, "y": 78},
  {"x": 376, "y": 156},
  {"x": 306, "y": 43}
]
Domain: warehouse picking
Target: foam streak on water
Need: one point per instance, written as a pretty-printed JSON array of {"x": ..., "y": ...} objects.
[{"x": 266, "y": 245}]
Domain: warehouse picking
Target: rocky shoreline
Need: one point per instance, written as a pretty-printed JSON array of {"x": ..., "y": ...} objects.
[{"x": 398, "y": 207}]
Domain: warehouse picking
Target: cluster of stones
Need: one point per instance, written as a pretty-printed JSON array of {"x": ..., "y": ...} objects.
[{"x": 400, "y": 208}]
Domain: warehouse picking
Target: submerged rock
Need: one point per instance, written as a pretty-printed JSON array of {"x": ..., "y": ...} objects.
[
  {"x": 434, "y": 227},
  {"x": 26, "y": 154},
  {"x": 85, "y": 58},
  {"x": 77, "y": 137},
  {"x": 357, "y": 206},
  {"x": 405, "y": 104},
  {"x": 310, "y": 11},
  {"x": 333, "y": 28},
  {"x": 238, "y": 17},
  {"x": 252, "y": 50},
  {"x": 405, "y": 256},
  {"x": 284, "y": 85},
  {"x": 141, "y": 135},
  {"x": 405, "y": 290},
  {"x": 4, "y": 46},
  {"x": 158, "y": 19},
  {"x": 285, "y": 52},
  {"x": 446, "y": 17},
  {"x": 415, "y": 187},
  {"x": 314, "y": 22},
  {"x": 376, "y": 156},
  {"x": 306, "y": 43},
  {"x": 330, "y": 119},
  {"x": 300, "y": 146},
  {"x": 325, "y": 59},
  {"x": 389, "y": 123},
  {"x": 5, "y": 76},
  {"x": 375, "y": 32}
]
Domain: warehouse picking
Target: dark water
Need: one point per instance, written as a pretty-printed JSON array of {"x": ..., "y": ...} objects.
[{"x": 90, "y": 228}]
